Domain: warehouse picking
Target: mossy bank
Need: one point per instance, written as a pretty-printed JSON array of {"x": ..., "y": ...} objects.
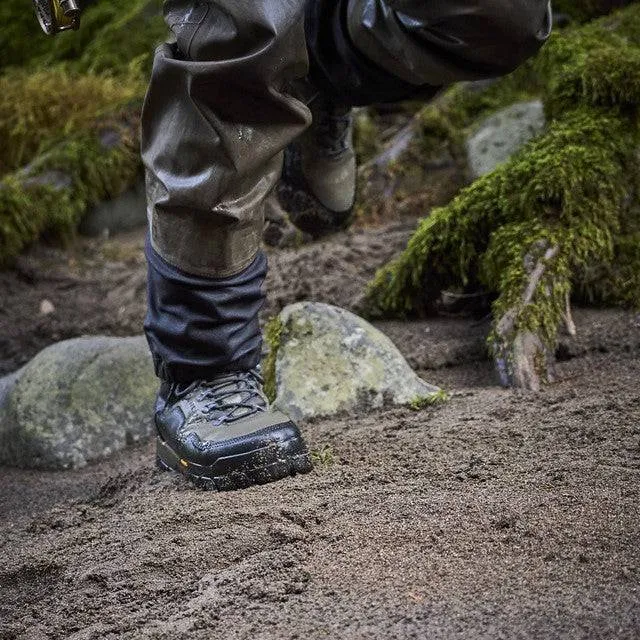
[
  {"x": 560, "y": 217},
  {"x": 58, "y": 97}
]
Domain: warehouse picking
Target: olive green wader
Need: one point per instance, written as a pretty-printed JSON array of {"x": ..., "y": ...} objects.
[{"x": 222, "y": 106}]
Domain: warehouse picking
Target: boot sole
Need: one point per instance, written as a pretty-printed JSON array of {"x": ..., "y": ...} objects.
[{"x": 258, "y": 466}]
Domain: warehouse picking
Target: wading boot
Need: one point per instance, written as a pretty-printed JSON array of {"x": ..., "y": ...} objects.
[
  {"x": 318, "y": 184},
  {"x": 222, "y": 435}
]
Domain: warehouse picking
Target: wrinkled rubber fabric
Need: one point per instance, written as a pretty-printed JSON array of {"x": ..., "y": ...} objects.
[
  {"x": 215, "y": 120},
  {"x": 218, "y": 111},
  {"x": 342, "y": 72},
  {"x": 444, "y": 41},
  {"x": 366, "y": 51},
  {"x": 199, "y": 327}
]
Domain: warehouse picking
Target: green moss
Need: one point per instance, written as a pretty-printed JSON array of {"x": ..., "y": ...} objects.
[
  {"x": 513, "y": 253},
  {"x": 583, "y": 10},
  {"x": 566, "y": 189},
  {"x": 128, "y": 37},
  {"x": 59, "y": 186},
  {"x": 615, "y": 281},
  {"x": 113, "y": 34},
  {"x": 324, "y": 456},
  {"x": 472, "y": 103},
  {"x": 23, "y": 213},
  {"x": 598, "y": 64},
  {"x": 50, "y": 106},
  {"x": 463, "y": 105},
  {"x": 21, "y": 38},
  {"x": 273, "y": 337},
  {"x": 53, "y": 104},
  {"x": 422, "y": 402}
]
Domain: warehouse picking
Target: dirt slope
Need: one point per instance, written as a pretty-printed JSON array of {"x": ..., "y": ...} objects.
[{"x": 497, "y": 515}]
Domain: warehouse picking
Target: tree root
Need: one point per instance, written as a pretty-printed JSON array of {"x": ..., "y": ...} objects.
[{"x": 522, "y": 359}]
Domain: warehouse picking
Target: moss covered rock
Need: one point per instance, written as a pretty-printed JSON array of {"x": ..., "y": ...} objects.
[
  {"x": 56, "y": 189},
  {"x": 325, "y": 360},
  {"x": 77, "y": 401},
  {"x": 63, "y": 103}
]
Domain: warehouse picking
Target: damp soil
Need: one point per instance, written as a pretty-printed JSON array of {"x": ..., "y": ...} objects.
[{"x": 496, "y": 515}]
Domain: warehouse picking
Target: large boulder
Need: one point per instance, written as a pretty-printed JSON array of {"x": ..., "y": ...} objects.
[
  {"x": 501, "y": 135},
  {"x": 77, "y": 401},
  {"x": 328, "y": 360}
]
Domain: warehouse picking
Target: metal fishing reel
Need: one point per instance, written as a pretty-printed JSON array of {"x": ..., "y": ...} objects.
[{"x": 57, "y": 15}]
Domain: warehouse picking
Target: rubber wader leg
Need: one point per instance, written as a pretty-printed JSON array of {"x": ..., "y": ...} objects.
[
  {"x": 215, "y": 121},
  {"x": 438, "y": 42},
  {"x": 198, "y": 327},
  {"x": 368, "y": 51},
  {"x": 216, "y": 117}
]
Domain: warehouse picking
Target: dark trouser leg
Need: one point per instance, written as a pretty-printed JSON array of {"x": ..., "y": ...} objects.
[{"x": 198, "y": 327}]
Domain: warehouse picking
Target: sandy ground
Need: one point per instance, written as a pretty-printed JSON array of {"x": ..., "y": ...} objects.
[{"x": 497, "y": 515}]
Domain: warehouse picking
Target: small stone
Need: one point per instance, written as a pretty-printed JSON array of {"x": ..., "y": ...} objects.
[
  {"x": 502, "y": 135},
  {"x": 125, "y": 212},
  {"x": 46, "y": 308},
  {"x": 330, "y": 360}
]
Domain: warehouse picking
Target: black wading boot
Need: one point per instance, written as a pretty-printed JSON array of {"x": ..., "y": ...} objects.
[
  {"x": 222, "y": 435},
  {"x": 318, "y": 184}
]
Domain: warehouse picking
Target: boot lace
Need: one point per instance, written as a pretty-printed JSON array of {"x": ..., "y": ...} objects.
[{"x": 230, "y": 396}]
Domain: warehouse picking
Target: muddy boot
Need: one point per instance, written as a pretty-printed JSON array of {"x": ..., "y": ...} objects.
[
  {"x": 222, "y": 435},
  {"x": 318, "y": 184}
]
